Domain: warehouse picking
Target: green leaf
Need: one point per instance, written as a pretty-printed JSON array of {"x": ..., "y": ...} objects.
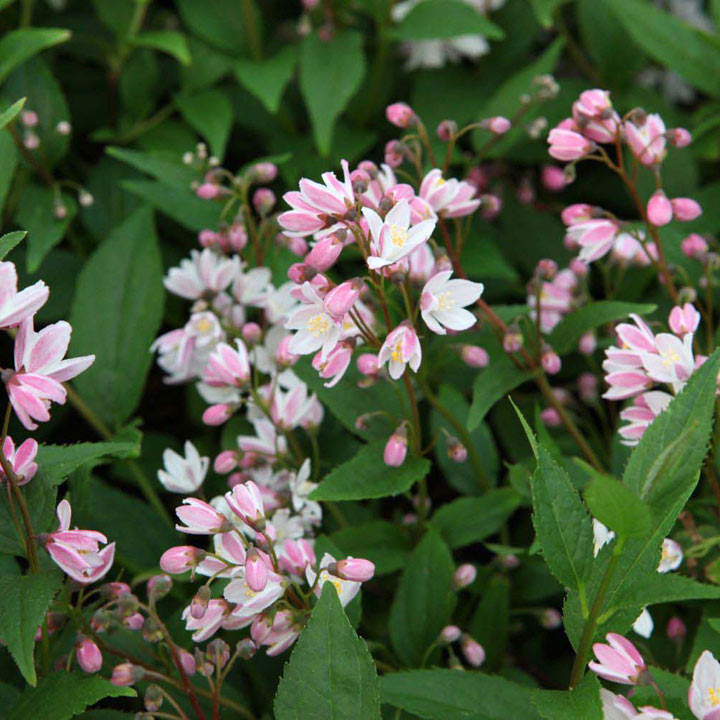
[
  {"x": 218, "y": 22},
  {"x": 171, "y": 42},
  {"x": 424, "y": 600},
  {"x": 689, "y": 52},
  {"x": 330, "y": 674},
  {"x": 183, "y": 206},
  {"x": 565, "y": 336},
  {"x": 493, "y": 383},
  {"x": 526, "y": 428},
  {"x": 583, "y": 701},
  {"x": 10, "y": 241},
  {"x": 18, "y": 46},
  {"x": 267, "y": 79},
  {"x": 437, "y": 19},
  {"x": 469, "y": 520},
  {"x": 491, "y": 621},
  {"x": 330, "y": 74},
  {"x": 211, "y": 114},
  {"x": 9, "y": 156},
  {"x": 655, "y": 588},
  {"x": 562, "y": 525},
  {"x": 618, "y": 507},
  {"x": 36, "y": 214},
  {"x": 174, "y": 173},
  {"x": 385, "y": 544},
  {"x": 445, "y": 694},
  {"x": 11, "y": 113},
  {"x": 24, "y": 601},
  {"x": 62, "y": 695},
  {"x": 367, "y": 476},
  {"x": 544, "y": 10},
  {"x": 116, "y": 314}
]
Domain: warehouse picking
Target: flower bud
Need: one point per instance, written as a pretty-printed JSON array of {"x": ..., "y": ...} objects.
[
  {"x": 340, "y": 300},
  {"x": 133, "y": 622},
  {"x": 264, "y": 172},
  {"x": 85, "y": 198},
  {"x": 400, "y": 114},
  {"x": 208, "y": 191},
  {"x": 246, "y": 648},
  {"x": 217, "y": 414},
  {"x": 226, "y": 462},
  {"x": 396, "y": 448},
  {"x": 694, "y": 246},
  {"x": 498, "y": 124},
  {"x": 510, "y": 561},
  {"x": 676, "y": 629},
  {"x": 187, "y": 662},
  {"x": 256, "y": 571},
  {"x": 219, "y": 651},
  {"x": 29, "y": 118},
  {"x": 587, "y": 343},
  {"x": 550, "y": 361},
  {"x": 447, "y": 130},
  {"x": 588, "y": 387},
  {"x": 490, "y": 206},
  {"x": 263, "y": 201},
  {"x": 355, "y": 569},
  {"x": 251, "y": 333},
  {"x": 679, "y": 137},
  {"x": 449, "y": 634},
  {"x": 550, "y": 417},
  {"x": 153, "y": 698},
  {"x": 204, "y": 664},
  {"x": 553, "y": 178},
  {"x": 301, "y": 272},
  {"x": 579, "y": 267},
  {"x": 472, "y": 651},
  {"x": 159, "y": 586},
  {"x": 88, "y": 655},
  {"x": 513, "y": 340},
  {"x": 237, "y": 236},
  {"x": 456, "y": 451},
  {"x": 551, "y": 619},
  {"x": 100, "y": 621},
  {"x": 297, "y": 246},
  {"x": 59, "y": 210},
  {"x": 394, "y": 153},
  {"x": 199, "y": 603},
  {"x": 659, "y": 209},
  {"x": 181, "y": 558},
  {"x": 283, "y": 356},
  {"x": 126, "y": 674},
  {"x": 465, "y": 575},
  {"x": 685, "y": 209},
  {"x": 546, "y": 268},
  {"x": 367, "y": 364},
  {"x": 63, "y": 128},
  {"x": 114, "y": 590},
  {"x": 474, "y": 356}
]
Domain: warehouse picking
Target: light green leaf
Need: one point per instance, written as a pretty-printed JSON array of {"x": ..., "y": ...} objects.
[
  {"x": 424, "y": 600},
  {"x": 171, "y": 42},
  {"x": 583, "y": 701},
  {"x": 437, "y": 19},
  {"x": 330, "y": 74},
  {"x": 689, "y": 52},
  {"x": 36, "y": 214},
  {"x": 469, "y": 520},
  {"x": 23, "y": 603},
  {"x": 267, "y": 79},
  {"x": 618, "y": 507},
  {"x": 493, "y": 383},
  {"x": 544, "y": 10},
  {"x": 18, "y": 46},
  {"x": 566, "y": 334},
  {"x": 445, "y": 694},
  {"x": 331, "y": 674},
  {"x": 116, "y": 314},
  {"x": 211, "y": 114},
  {"x": 9, "y": 241},
  {"x": 62, "y": 695},
  {"x": 367, "y": 476},
  {"x": 11, "y": 113},
  {"x": 385, "y": 544}
]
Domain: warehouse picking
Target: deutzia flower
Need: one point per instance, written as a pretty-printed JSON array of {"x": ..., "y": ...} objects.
[
  {"x": 346, "y": 589},
  {"x": 401, "y": 348},
  {"x": 704, "y": 696},
  {"x": 644, "y": 624},
  {"x": 316, "y": 328},
  {"x": 443, "y": 302},
  {"x": 672, "y": 556},
  {"x": 673, "y": 363},
  {"x": 183, "y": 474},
  {"x": 204, "y": 271}
]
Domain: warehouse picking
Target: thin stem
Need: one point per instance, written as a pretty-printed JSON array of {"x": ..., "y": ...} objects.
[{"x": 248, "y": 10}]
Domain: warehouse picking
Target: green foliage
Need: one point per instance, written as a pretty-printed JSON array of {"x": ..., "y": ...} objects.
[
  {"x": 10, "y": 240},
  {"x": 7, "y": 116},
  {"x": 210, "y": 113},
  {"x": 582, "y": 701},
  {"x": 330, "y": 673},
  {"x": 381, "y": 542},
  {"x": 19, "y": 45},
  {"x": 445, "y": 19},
  {"x": 268, "y": 79},
  {"x": 617, "y": 507}
]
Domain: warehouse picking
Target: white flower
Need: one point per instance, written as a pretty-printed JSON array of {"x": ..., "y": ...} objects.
[
  {"x": 183, "y": 474},
  {"x": 393, "y": 239},
  {"x": 204, "y": 272},
  {"x": 346, "y": 589},
  {"x": 601, "y": 535},
  {"x": 616, "y": 707},
  {"x": 316, "y": 327},
  {"x": 253, "y": 287},
  {"x": 249, "y": 602},
  {"x": 673, "y": 363},
  {"x": 443, "y": 302},
  {"x": 672, "y": 556},
  {"x": 704, "y": 696},
  {"x": 644, "y": 624},
  {"x": 300, "y": 488}
]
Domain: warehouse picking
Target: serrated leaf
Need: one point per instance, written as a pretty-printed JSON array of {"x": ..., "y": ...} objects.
[
  {"x": 445, "y": 694},
  {"x": 437, "y": 19},
  {"x": 171, "y": 42},
  {"x": 491, "y": 385},
  {"x": 566, "y": 334},
  {"x": 63, "y": 695},
  {"x": 654, "y": 588},
  {"x": 385, "y": 544},
  {"x": 11, "y": 113},
  {"x": 9, "y": 241},
  {"x": 469, "y": 520},
  {"x": 618, "y": 507},
  {"x": 18, "y": 46},
  {"x": 583, "y": 701},
  {"x": 330, "y": 74},
  {"x": 116, "y": 314},
  {"x": 424, "y": 600},
  {"x": 267, "y": 79},
  {"x": 367, "y": 476},
  {"x": 23, "y": 603},
  {"x": 330, "y": 674},
  {"x": 211, "y": 114}
]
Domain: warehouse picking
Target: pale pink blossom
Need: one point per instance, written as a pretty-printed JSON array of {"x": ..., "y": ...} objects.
[
  {"x": 246, "y": 502},
  {"x": 228, "y": 366},
  {"x": 277, "y": 632},
  {"x": 346, "y": 589},
  {"x": 325, "y": 252},
  {"x": 21, "y": 460},
  {"x": 253, "y": 286},
  {"x": 671, "y": 556},
  {"x": 40, "y": 369},
  {"x": 215, "y": 616},
  {"x": 647, "y": 141},
  {"x": 704, "y": 695},
  {"x": 673, "y": 362},
  {"x": 595, "y": 237},
  {"x": 593, "y": 113},
  {"x": 450, "y": 198},
  {"x": 640, "y": 415},
  {"x": 205, "y": 272},
  {"x": 200, "y": 518},
  {"x": 266, "y": 442},
  {"x": 401, "y": 347},
  {"x": 443, "y": 302},
  {"x": 568, "y": 145},
  {"x": 472, "y": 650},
  {"x": 616, "y": 707},
  {"x": 296, "y": 555},
  {"x": 183, "y": 474},
  {"x": 618, "y": 661},
  {"x": 684, "y": 319},
  {"x": 317, "y": 329},
  {"x": 77, "y": 552},
  {"x": 18, "y": 306},
  {"x": 248, "y": 602},
  {"x": 334, "y": 366}
]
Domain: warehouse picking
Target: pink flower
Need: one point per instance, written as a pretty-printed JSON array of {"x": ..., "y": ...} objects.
[
  {"x": 213, "y": 619},
  {"x": 40, "y": 370},
  {"x": 334, "y": 366},
  {"x": 595, "y": 237},
  {"x": 447, "y": 198},
  {"x": 679, "y": 137},
  {"x": 296, "y": 555},
  {"x": 553, "y": 178},
  {"x": 205, "y": 271},
  {"x": 498, "y": 124},
  {"x": 673, "y": 363},
  {"x": 88, "y": 655},
  {"x": 325, "y": 252},
  {"x": 647, "y": 141},
  {"x": 317, "y": 328},
  {"x": 201, "y": 518},
  {"x": 346, "y": 589},
  {"x": 659, "y": 209},
  {"x": 579, "y": 212},
  {"x": 685, "y": 209},
  {"x": 367, "y": 364},
  {"x": 246, "y": 502},
  {"x": 340, "y": 300},
  {"x": 18, "y": 306},
  {"x": 355, "y": 569},
  {"x": 474, "y": 356},
  {"x": 616, "y": 707},
  {"x": 641, "y": 413},
  {"x": 694, "y": 246},
  {"x": 618, "y": 661},
  {"x": 550, "y": 362},
  {"x": 568, "y": 145},
  {"x": 248, "y": 602},
  {"x": 317, "y": 207},
  {"x": 400, "y": 114},
  {"x": 443, "y": 302},
  {"x": 21, "y": 460},
  {"x": 278, "y": 634},
  {"x": 684, "y": 319},
  {"x": 396, "y": 448},
  {"x": 472, "y": 651},
  {"x": 594, "y": 115},
  {"x": 401, "y": 347},
  {"x": 77, "y": 552},
  {"x": 228, "y": 366},
  {"x": 208, "y": 191}
]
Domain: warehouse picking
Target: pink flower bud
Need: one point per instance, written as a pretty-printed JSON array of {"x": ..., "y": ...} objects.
[
  {"x": 513, "y": 340},
  {"x": 208, "y": 191},
  {"x": 300, "y": 273},
  {"x": 685, "y": 209},
  {"x": 659, "y": 209},
  {"x": 158, "y": 586},
  {"x": 526, "y": 192},
  {"x": 679, "y": 137},
  {"x": 498, "y": 125},
  {"x": 449, "y": 634},
  {"x": 551, "y": 619},
  {"x": 396, "y": 448},
  {"x": 619, "y": 661},
  {"x": 217, "y": 414},
  {"x": 207, "y": 238},
  {"x": 694, "y": 246},
  {"x": 456, "y": 451},
  {"x": 187, "y": 662},
  {"x": 400, "y": 114},
  {"x": 367, "y": 364},
  {"x": 683, "y": 320},
  {"x": 568, "y": 145},
  {"x": 474, "y": 356},
  {"x": 283, "y": 356},
  {"x": 199, "y": 603},
  {"x": 133, "y": 622},
  {"x": 465, "y": 575},
  {"x": 125, "y": 674},
  {"x": 324, "y": 254},
  {"x": 472, "y": 651},
  {"x": 263, "y": 201},
  {"x": 579, "y": 267},
  {"x": 297, "y": 246},
  {"x": 676, "y": 629},
  {"x": 251, "y": 333},
  {"x": 341, "y": 299},
  {"x": 264, "y": 172},
  {"x": 547, "y": 268},
  {"x": 179, "y": 559},
  {"x": 553, "y": 178},
  {"x": 237, "y": 236},
  {"x": 550, "y": 361},
  {"x": 587, "y": 387},
  {"x": 393, "y": 153},
  {"x": 550, "y": 417},
  {"x": 256, "y": 571},
  {"x": 153, "y": 699},
  {"x": 88, "y": 655},
  {"x": 355, "y": 569},
  {"x": 29, "y": 118},
  {"x": 490, "y": 206},
  {"x": 447, "y": 130},
  {"x": 226, "y": 462},
  {"x": 219, "y": 651},
  {"x": 509, "y": 562},
  {"x": 587, "y": 343}
]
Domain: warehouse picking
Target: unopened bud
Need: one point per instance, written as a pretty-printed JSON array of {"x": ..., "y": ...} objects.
[
  {"x": 396, "y": 448},
  {"x": 85, "y": 198},
  {"x": 447, "y": 130},
  {"x": 465, "y": 575},
  {"x": 63, "y": 128},
  {"x": 199, "y": 603},
  {"x": 676, "y": 629},
  {"x": 472, "y": 651},
  {"x": 246, "y": 648},
  {"x": 219, "y": 651},
  {"x": 456, "y": 451},
  {"x": 153, "y": 698},
  {"x": 449, "y": 634},
  {"x": 551, "y": 619},
  {"x": 263, "y": 201},
  {"x": 400, "y": 114},
  {"x": 474, "y": 356},
  {"x": 513, "y": 340},
  {"x": 159, "y": 586}
]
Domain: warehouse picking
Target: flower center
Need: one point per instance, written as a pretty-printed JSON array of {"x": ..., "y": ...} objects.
[
  {"x": 318, "y": 325},
  {"x": 714, "y": 697},
  {"x": 397, "y": 354},
  {"x": 249, "y": 592},
  {"x": 670, "y": 357},
  {"x": 203, "y": 325},
  {"x": 446, "y": 301},
  {"x": 398, "y": 235}
]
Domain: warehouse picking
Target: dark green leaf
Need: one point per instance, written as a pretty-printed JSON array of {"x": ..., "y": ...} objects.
[
  {"x": 11, "y": 113},
  {"x": 382, "y": 542},
  {"x": 268, "y": 79},
  {"x": 330, "y": 673},
  {"x": 18, "y": 46},
  {"x": 544, "y": 10},
  {"x": 169, "y": 41},
  {"x": 583, "y": 701},
  {"x": 176, "y": 174},
  {"x": 435, "y": 19},
  {"x": 491, "y": 621},
  {"x": 218, "y": 22},
  {"x": 10, "y": 241},
  {"x": 210, "y": 113}
]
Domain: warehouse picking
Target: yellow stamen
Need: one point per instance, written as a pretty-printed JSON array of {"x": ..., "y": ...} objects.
[
  {"x": 446, "y": 301},
  {"x": 398, "y": 235},
  {"x": 318, "y": 325}
]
